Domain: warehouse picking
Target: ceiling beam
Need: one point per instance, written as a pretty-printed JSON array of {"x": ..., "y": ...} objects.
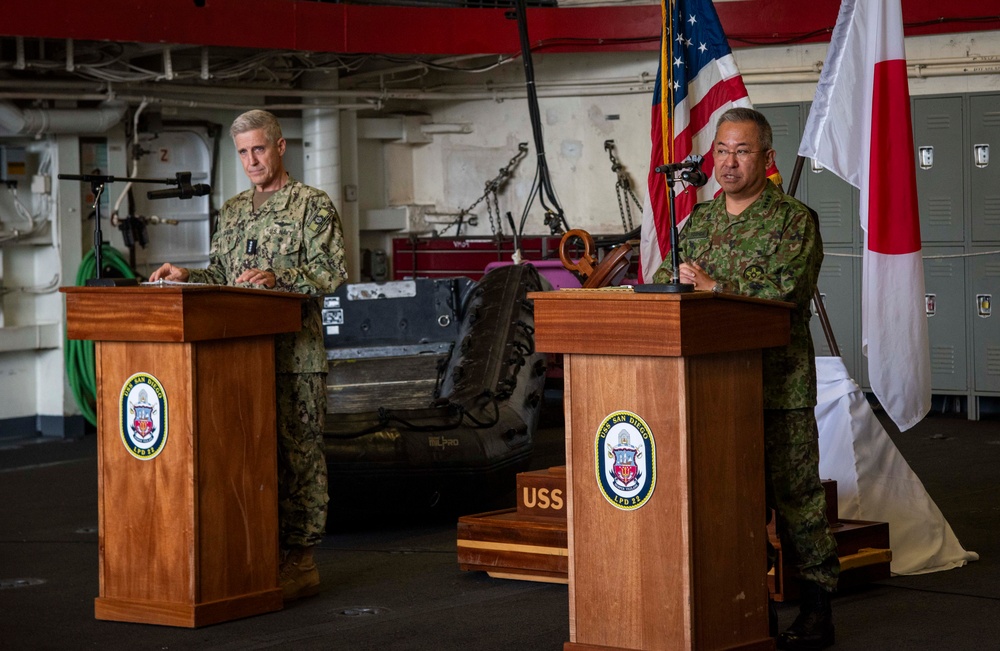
[{"x": 355, "y": 29}]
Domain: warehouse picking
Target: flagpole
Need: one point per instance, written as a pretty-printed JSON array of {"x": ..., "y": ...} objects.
[
  {"x": 668, "y": 169},
  {"x": 667, "y": 84},
  {"x": 824, "y": 321}
]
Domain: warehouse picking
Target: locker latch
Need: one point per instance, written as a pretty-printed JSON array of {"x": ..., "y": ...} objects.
[
  {"x": 981, "y": 154},
  {"x": 926, "y": 154},
  {"x": 930, "y": 304},
  {"x": 984, "y": 305}
]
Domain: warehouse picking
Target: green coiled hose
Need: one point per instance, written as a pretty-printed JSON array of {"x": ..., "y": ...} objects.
[{"x": 79, "y": 354}]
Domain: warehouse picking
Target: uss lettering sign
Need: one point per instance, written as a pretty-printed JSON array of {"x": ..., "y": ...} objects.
[{"x": 626, "y": 460}]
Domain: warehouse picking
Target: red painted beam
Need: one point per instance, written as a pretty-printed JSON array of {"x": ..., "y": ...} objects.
[
  {"x": 446, "y": 31},
  {"x": 220, "y": 22},
  {"x": 327, "y": 27},
  {"x": 780, "y": 22},
  {"x": 349, "y": 28}
]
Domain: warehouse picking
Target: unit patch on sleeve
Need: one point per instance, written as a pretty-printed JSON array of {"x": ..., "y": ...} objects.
[
  {"x": 626, "y": 460},
  {"x": 753, "y": 272},
  {"x": 319, "y": 221},
  {"x": 142, "y": 416}
]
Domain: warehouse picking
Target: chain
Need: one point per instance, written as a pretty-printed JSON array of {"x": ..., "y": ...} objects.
[
  {"x": 492, "y": 188},
  {"x": 623, "y": 188},
  {"x": 490, "y": 208}
]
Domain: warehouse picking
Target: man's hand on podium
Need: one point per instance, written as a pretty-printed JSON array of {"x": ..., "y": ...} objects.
[
  {"x": 692, "y": 274},
  {"x": 257, "y": 277},
  {"x": 169, "y": 272}
]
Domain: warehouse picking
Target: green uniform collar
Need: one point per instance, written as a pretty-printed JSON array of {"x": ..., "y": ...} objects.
[
  {"x": 763, "y": 205},
  {"x": 278, "y": 201}
]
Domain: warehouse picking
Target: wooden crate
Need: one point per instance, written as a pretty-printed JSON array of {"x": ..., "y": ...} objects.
[
  {"x": 529, "y": 542},
  {"x": 509, "y": 545},
  {"x": 863, "y": 548},
  {"x": 542, "y": 493}
]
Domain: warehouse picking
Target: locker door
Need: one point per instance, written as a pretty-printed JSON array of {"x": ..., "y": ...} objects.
[
  {"x": 944, "y": 280},
  {"x": 836, "y": 201},
  {"x": 188, "y": 242},
  {"x": 937, "y": 140},
  {"x": 984, "y": 168},
  {"x": 838, "y": 290},
  {"x": 786, "y": 125},
  {"x": 983, "y": 289}
]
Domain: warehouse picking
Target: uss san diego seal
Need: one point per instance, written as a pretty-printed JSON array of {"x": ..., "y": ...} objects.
[
  {"x": 626, "y": 460},
  {"x": 142, "y": 415}
]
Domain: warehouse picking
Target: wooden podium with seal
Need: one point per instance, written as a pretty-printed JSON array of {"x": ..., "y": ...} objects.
[
  {"x": 187, "y": 452},
  {"x": 664, "y": 464}
]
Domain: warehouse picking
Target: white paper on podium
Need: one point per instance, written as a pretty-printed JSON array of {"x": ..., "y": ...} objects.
[
  {"x": 172, "y": 283},
  {"x": 874, "y": 481}
]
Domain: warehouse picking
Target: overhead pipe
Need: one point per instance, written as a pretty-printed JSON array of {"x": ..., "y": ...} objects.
[
  {"x": 950, "y": 66},
  {"x": 75, "y": 120},
  {"x": 17, "y": 121}
]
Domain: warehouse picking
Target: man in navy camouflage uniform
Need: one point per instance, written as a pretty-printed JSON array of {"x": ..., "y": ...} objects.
[
  {"x": 284, "y": 235},
  {"x": 755, "y": 240}
]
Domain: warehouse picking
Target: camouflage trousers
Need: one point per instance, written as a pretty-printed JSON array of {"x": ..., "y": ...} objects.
[
  {"x": 302, "y": 482},
  {"x": 794, "y": 491}
]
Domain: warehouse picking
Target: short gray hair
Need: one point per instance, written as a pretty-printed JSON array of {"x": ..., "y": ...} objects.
[
  {"x": 257, "y": 119},
  {"x": 743, "y": 114}
]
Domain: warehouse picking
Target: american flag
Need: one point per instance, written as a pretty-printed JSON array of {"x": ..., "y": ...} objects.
[{"x": 697, "y": 81}]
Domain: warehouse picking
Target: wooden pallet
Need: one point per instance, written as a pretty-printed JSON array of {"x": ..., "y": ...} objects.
[
  {"x": 863, "y": 548},
  {"x": 529, "y": 542}
]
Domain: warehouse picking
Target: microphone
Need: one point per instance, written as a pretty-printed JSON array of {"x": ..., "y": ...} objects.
[
  {"x": 695, "y": 177},
  {"x": 689, "y": 170},
  {"x": 183, "y": 191}
]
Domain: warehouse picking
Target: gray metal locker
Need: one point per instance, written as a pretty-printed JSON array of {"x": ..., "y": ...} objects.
[
  {"x": 862, "y": 377},
  {"x": 835, "y": 200},
  {"x": 944, "y": 282},
  {"x": 838, "y": 282},
  {"x": 984, "y": 172},
  {"x": 984, "y": 287},
  {"x": 938, "y": 130},
  {"x": 786, "y": 125}
]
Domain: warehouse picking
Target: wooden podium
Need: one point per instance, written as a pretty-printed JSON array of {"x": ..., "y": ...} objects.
[
  {"x": 187, "y": 452},
  {"x": 685, "y": 566}
]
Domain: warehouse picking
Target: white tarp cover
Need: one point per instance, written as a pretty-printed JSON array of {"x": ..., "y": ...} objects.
[{"x": 874, "y": 481}]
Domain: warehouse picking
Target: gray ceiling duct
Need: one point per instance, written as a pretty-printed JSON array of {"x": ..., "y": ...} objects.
[{"x": 17, "y": 121}]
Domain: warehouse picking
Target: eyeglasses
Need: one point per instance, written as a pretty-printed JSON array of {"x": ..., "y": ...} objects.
[{"x": 741, "y": 154}]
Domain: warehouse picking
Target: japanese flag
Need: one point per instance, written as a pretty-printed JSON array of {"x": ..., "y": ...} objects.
[{"x": 860, "y": 129}]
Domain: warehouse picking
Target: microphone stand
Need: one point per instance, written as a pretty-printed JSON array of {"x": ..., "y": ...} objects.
[
  {"x": 97, "y": 182},
  {"x": 675, "y": 286},
  {"x": 690, "y": 172}
]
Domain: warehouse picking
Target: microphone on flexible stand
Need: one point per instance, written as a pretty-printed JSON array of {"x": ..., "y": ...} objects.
[
  {"x": 689, "y": 171},
  {"x": 184, "y": 189},
  {"x": 695, "y": 176},
  {"x": 180, "y": 192}
]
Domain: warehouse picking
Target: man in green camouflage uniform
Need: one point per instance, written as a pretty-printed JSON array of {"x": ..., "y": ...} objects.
[
  {"x": 284, "y": 235},
  {"x": 755, "y": 240}
]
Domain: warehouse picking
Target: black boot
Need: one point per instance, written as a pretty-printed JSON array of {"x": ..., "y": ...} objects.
[{"x": 813, "y": 628}]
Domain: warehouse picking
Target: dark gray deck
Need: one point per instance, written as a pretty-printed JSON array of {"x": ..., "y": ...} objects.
[{"x": 399, "y": 587}]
